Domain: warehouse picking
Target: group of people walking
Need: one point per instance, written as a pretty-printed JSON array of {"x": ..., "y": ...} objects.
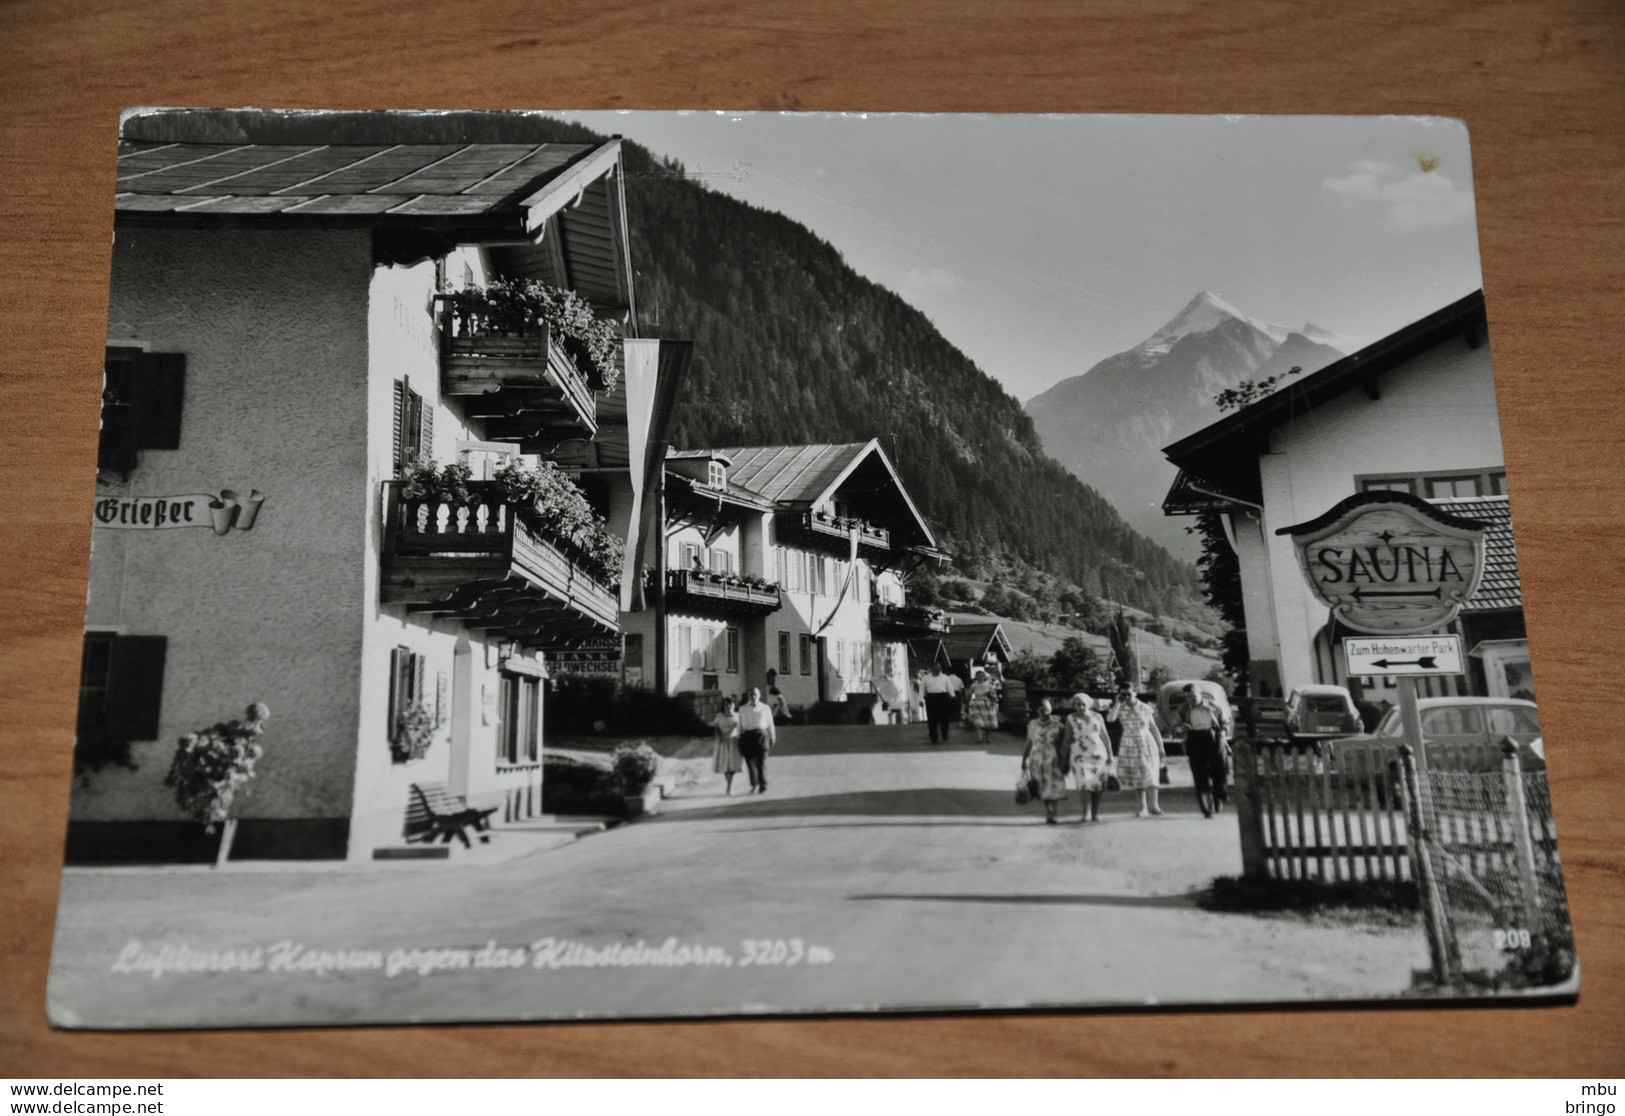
[
  {"x": 1078, "y": 745},
  {"x": 948, "y": 700}
]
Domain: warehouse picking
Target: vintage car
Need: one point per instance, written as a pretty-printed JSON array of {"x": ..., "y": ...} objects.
[
  {"x": 1319, "y": 713},
  {"x": 1451, "y": 721},
  {"x": 1171, "y": 703}
]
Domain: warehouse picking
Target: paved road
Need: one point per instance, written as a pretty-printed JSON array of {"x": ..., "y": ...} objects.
[{"x": 903, "y": 876}]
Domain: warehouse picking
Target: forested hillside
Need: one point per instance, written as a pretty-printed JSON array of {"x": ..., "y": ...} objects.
[{"x": 791, "y": 345}]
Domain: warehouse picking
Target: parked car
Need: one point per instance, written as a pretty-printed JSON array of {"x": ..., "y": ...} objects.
[
  {"x": 1171, "y": 703},
  {"x": 1448, "y": 721},
  {"x": 1315, "y": 714}
]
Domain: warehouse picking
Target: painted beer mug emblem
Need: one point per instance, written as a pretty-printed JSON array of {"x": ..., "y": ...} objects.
[{"x": 1388, "y": 562}]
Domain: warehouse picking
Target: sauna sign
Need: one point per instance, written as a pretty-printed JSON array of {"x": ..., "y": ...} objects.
[
  {"x": 220, "y": 513},
  {"x": 1389, "y": 563}
]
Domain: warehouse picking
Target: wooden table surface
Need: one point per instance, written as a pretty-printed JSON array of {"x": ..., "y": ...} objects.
[{"x": 1542, "y": 87}]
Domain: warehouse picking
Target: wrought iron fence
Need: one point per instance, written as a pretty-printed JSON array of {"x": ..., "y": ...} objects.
[{"x": 1490, "y": 872}]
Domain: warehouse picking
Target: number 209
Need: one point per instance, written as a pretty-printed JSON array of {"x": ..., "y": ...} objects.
[{"x": 1510, "y": 939}]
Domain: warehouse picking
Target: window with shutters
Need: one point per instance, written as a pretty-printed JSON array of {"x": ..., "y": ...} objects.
[
  {"x": 406, "y": 671},
  {"x": 784, "y": 653},
  {"x": 121, "y": 689},
  {"x": 142, "y": 397},
  {"x": 733, "y": 651},
  {"x": 413, "y": 427},
  {"x": 519, "y": 737},
  {"x": 806, "y": 654}
]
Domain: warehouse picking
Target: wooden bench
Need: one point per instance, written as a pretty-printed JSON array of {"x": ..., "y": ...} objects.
[{"x": 437, "y": 814}]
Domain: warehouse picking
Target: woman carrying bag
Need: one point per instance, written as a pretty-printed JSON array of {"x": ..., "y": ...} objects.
[
  {"x": 1092, "y": 763},
  {"x": 1046, "y": 759}
]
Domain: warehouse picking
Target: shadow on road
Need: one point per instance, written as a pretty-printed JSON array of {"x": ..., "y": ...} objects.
[
  {"x": 910, "y": 802},
  {"x": 846, "y": 740},
  {"x": 1186, "y": 899}
]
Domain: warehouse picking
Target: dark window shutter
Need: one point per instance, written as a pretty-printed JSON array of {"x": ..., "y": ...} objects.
[
  {"x": 135, "y": 686},
  {"x": 419, "y": 664},
  {"x": 160, "y": 390},
  {"x": 116, "y": 448},
  {"x": 400, "y": 442},
  {"x": 395, "y": 695},
  {"x": 426, "y": 429},
  {"x": 413, "y": 424}
]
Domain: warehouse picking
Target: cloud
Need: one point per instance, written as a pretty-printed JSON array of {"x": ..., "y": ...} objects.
[
  {"x": 927, "y": 282},
  {"x": 1407, "y": 197}
]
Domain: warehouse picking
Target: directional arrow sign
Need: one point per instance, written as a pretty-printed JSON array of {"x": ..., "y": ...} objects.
[{"x": 1430, "y": 654}]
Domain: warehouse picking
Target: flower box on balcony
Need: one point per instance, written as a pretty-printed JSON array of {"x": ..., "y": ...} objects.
[
  {"x": 486, "y": 563},
  {"x": 907, "y": 621},
  {"x": 527, "y": 365},
  {"x": 713, "y": 593}
]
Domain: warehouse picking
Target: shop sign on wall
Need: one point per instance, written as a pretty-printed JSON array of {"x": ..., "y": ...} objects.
[
  {"x": 1390, "y": 563},
  {"x": 600, "y": 655},
  {"x": 221, "y": 513}
]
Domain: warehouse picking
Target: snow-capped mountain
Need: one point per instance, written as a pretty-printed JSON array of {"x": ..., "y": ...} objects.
[{"x": 1108, "y": 425}]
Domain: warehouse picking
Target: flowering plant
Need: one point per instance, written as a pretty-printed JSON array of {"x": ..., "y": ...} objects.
[
  {"x": 211, "y": 766},
  {"x": 556, "y": 505},
  {"x": 634, "y": 767},
  {"x": 414, "y": 732},
  {"x": 446, "y": 483},
  {"x": 525, "y": 306}
]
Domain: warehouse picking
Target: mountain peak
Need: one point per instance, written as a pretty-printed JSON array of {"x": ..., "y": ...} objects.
[{"x": 1205, "y": 312}]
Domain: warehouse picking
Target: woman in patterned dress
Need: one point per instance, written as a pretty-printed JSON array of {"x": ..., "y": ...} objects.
[
  {"x": 726, "y": 760},
  {"x": 984, "y": 706},
  {"x": 1045, "y": 760},
  {"x": 1140, "y": 754},
  {"x": 1091, "y": 753}
]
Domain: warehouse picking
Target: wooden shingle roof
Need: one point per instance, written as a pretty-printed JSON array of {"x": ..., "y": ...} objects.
[
  {"x": 792, "y": 475},
  {"x": 1499, "y": 587},
  {"x": 445, "y": 180}
]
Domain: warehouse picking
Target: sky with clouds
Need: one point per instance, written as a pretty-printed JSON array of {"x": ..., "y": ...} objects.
[{"x": 1041, "y": 244}]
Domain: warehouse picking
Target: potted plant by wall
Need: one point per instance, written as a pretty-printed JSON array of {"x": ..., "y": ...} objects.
[
  {"x": 414, "y": 732},
  {"x": 634, "y": 767},
  {"x": 503, "y": 329},
  {"x": 210, "y": 768}
]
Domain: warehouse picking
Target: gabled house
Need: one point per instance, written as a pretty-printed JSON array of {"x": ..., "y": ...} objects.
[
  {"x": 1414, "y": 412},
  {"x": 974, "y": 644},
  {"x": 784, "y": 563},
  {"x": 290, "y": 333}
]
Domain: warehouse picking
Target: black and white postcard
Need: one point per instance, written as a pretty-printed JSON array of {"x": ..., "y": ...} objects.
[{"x": 609, "y": 565}]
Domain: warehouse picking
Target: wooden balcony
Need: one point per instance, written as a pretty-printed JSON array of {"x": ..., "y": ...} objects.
[
  {"x": 714, "y": 594},
  {"x": 488, "y": 566},
  {"x": 891, "y": 621},
  {"x": 523, "y": 388},
  {"x": 833, "y": 533}
]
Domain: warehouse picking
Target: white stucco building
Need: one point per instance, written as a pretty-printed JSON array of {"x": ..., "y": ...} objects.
[
  {"x": 785, "y": 561},
  {"x": 1413, "y": 412},
  {"x": 279, "y": 340}
]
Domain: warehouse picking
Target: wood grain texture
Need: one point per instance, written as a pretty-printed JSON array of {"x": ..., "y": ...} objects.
[{"x": 1542, "y": 87}]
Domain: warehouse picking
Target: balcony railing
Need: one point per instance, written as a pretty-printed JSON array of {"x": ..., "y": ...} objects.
[
  {"x": 834, "y": 532},
  {"x": 907, "y": 621},
  {"x": 526, "y": 388},
  {"x": 710, "y": 593},
  {"x": 486, "y": 563}
]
